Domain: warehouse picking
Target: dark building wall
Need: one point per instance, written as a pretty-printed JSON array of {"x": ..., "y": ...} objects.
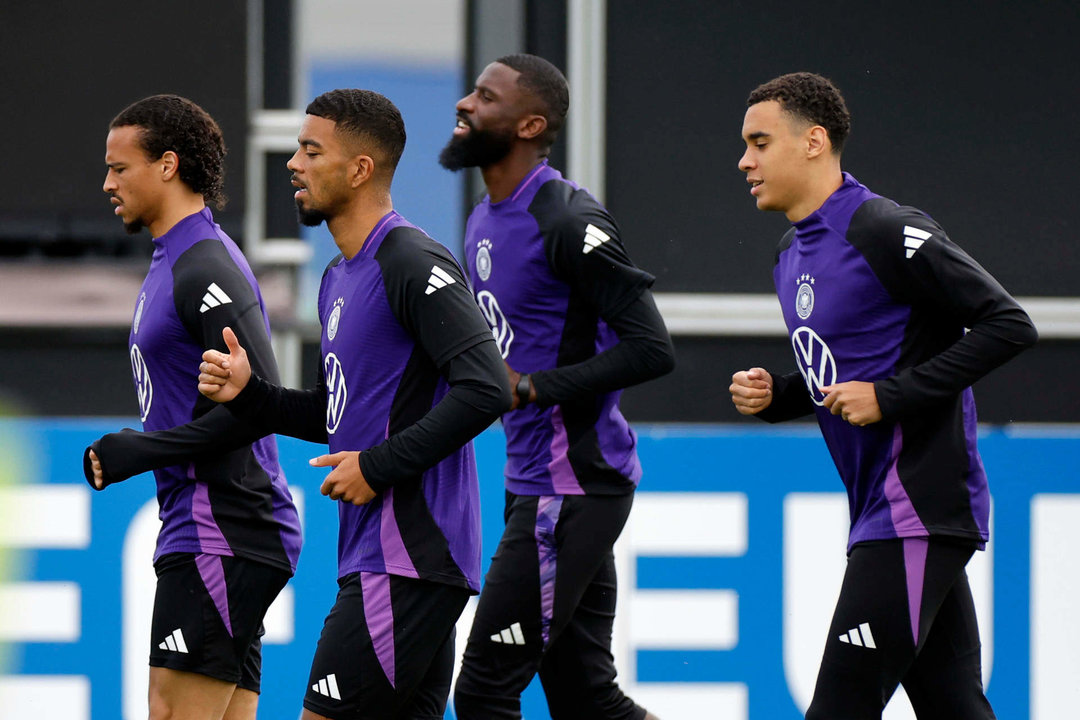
[{"x": 70, "y": 67}]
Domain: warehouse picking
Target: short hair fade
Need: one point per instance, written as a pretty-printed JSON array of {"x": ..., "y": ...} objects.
[
  {"x": 366, "y": 114},
  {"x": 548, "y": 84},
  {"x": 811, "y": 97},
  {"x": 171, "y": 122}
]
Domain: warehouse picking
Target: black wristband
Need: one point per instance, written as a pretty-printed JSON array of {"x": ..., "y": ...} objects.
[{"x": 523, "y": 390}]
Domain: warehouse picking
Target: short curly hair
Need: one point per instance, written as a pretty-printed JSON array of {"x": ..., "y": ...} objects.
[
  {"x": 171, "y": 122},
  {"x": 811, "y": 97},
  {"x": 547, "y": 83},
  {"x": 365, "y": 114}
]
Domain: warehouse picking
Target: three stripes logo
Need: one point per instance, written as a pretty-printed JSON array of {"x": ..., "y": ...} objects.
[
  {"x": 914, "y": 239},
  {"x": 327, "y": 687},
  {"x": 439, "y": 279},
  {"x": 860, "y": 636},
  {"x": 174, "y": 642},
  {"x": 510, "y": 636},
  {"x": 594, "y": 238},
  {"x": 214, "y": 296}
]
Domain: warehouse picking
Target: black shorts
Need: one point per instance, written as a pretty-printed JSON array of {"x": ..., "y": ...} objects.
[
  {"x": 386, "y": 649},
  {"x": 208, "y": 613},
  {"x": 905, "y": 616},
  {"x": 547, "y": 607}
]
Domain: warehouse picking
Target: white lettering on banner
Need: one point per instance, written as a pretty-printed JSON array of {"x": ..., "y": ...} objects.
[
  {"x": 705, "y": 619},
  {"x": 1055, "y": 624},
  {"x": 49, "y": 516},
  {"x": 46, "y": 696},
  {"x": 815, "y": 555}
]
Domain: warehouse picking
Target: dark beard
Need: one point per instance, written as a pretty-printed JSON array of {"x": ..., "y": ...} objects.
[
  {"x": 134, "y": 227},
  {"x": 311, "y": 218},
  {"x": 479, "y": 148}
]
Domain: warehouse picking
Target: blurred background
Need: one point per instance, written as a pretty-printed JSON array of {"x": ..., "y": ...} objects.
[{"x": 731, "y": 562}]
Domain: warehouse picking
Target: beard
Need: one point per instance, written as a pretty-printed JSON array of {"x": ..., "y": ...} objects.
[
  {"x": 134, "y": 227},
  {"x": 479, "y": 148},
  {"x": 312, "y": 217}
]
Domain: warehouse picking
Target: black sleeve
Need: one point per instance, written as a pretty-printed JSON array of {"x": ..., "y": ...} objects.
[
  {"x": 585, "y": 250},
  {"x": 274, "y": 409},
  {"x": 209, "y": 293},
  {"x": 479, "y": 393},
  {"x": 919, "y": 265},
  {"x": 644, "y": 352},
  {"x": 446, "y": 324},
  {"x": 790, "y": 399}
]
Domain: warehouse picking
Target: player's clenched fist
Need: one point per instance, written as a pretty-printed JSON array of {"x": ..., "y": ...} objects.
[
  {"x": 751, "y": 390},
  {"x": 222, "y": 376}
]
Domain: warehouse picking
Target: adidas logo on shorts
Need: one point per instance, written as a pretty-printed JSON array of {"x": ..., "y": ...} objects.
[
  {"x": 174, "y": 642},
  {"x": 328, "y": 687}
]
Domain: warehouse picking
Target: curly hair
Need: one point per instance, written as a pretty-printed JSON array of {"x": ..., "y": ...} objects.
[
  {"x": 810, "y": 97},
  {"x": 544, "y": 81},
  {"x": 170, "y": 122},
  {"x": 364, "y": 114}
]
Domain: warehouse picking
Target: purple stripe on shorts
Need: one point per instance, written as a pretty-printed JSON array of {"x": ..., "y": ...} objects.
[
  {"x": 395, "y": 556},
  {"x": 210, "y": 535},
  {"x": 212, "y": 573},
  {"x": 379, "y": 615},
  {"x": 905, "y": 520},
  {"x": 563, "y": 480},
  {"x": 547, "y": 516},
  {"x": 915, "y": 569}
]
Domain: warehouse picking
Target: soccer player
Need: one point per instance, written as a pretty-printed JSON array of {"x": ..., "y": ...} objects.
[
  {"x": 576, "y": 323},
  {"x": 876, "y": 299},
  {"x": 230, "y": 534},
  {"x": 410, "y": 374}
]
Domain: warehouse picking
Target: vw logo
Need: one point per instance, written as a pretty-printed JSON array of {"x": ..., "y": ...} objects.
[
  {"x": 500, "y": 328},
  {"x": 815, "y": 360},
  {"x": 336, "y": 392},
  {"x": 143, "y": 387}
]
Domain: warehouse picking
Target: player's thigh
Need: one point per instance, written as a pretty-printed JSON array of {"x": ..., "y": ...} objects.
[
  {"x": 578, "y": 670},
  {"x": 870, "y": 644},
  {"x": 181, "y": 695},
  {"x": 243, "y": 705},
  {"x": 379, "y": 645},
  {"x": 585, "y": 534},
  {"x": 945, "y": 681},
  {"x": 208, "y": 613}
]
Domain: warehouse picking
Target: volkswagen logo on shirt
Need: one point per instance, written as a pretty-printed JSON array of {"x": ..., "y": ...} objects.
[
  {"x": 138, "y": 314},
  {"x": 336, "y": 392},
  {"x": 483, "y": 259},
  {"x": 143, "y": 387},
  {"x": 500, "y": 328},
  {"x": 815, "y": 360}
]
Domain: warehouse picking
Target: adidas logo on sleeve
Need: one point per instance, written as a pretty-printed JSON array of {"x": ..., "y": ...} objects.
[
  {"x": 594, "y": 238},
  {"x": 439, "y": 279},
  {"x": 214, "y": 296},
  {"x": 914, "y": 239}
]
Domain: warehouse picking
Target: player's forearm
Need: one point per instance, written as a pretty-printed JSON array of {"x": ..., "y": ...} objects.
[
  {"x": 644, "y": 352},
  {"x": 989, "y": 344},
  {"x": 283, "y": 411},
  {"x": 790, "y": 399},
  {"x": 479, "y": 392}
]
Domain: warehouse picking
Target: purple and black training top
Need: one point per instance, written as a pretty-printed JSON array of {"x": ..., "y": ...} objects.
[{"x": 876, "y": 292}]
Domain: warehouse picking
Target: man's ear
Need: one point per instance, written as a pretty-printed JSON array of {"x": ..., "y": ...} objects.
[
  {"x": 361, "y": 170},
  {"x": 817, "y": 141},
  {"x": 531, "y": 126},
  {"x": 170, "y": 165}
]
